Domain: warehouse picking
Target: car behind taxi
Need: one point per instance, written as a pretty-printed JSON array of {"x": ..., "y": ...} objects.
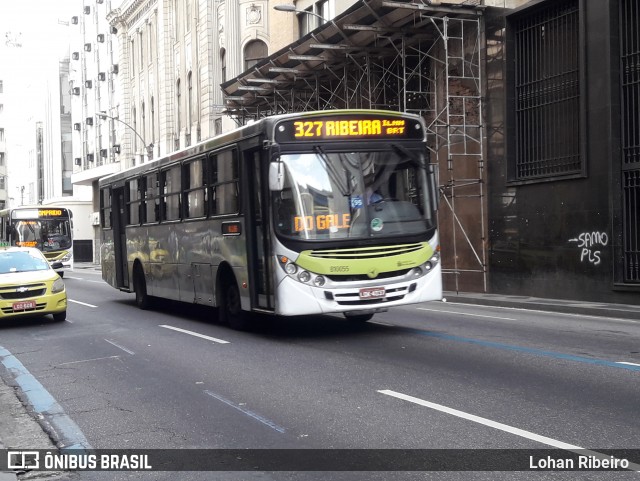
[{"x": 29, "y": 286}]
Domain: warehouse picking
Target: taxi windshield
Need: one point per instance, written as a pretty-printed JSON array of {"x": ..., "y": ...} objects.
[
  {"x": 21, "y": 261},
  {"x": 339, "y": 195}
]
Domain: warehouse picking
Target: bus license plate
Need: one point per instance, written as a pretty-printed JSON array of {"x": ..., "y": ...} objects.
[
  {"x": 372, "y": 292},
  {"x": 24, "y": 305}
]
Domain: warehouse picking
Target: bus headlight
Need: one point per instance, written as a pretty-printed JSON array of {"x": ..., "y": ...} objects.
[
  {"x": 66, "y": 258},
  {"x": 304, "y": 276},
  {"x": 319, "y": 281},
  {"x": 290, "y": 268},
  {"x": 435, "y": 259},
  {"x": 58, "y": 286}
]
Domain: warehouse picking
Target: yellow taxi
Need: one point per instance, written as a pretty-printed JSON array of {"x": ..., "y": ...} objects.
[{"x": 29, "y": 286}]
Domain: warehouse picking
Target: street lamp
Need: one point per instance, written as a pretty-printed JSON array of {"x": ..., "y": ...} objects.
[
  {"x": 287, "y": 7},
  {"x": 149, "y": 148}
]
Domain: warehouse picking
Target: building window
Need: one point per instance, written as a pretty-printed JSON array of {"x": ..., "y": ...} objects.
[
  {"x": 327, "y": 9},
  {"x": 188, "y": 14},
  {"x": 135, "y": 129},
  {"x": 143, "y": 121},
  {"x": 254, "y": 51},
  {"x": 630, "y": 138},
  {"x": 133, "y": 55},
  {"x": 141, "y": 46},
  {"x": 546, "y": 130},
  {"x": 178, "y": 109},
  {"x": 153, "y": 122},
  {"x": 189, "y": 101},
  {"x": 223, "y": 64}
]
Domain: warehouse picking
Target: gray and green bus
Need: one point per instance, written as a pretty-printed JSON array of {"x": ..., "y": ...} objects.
[{"x": 308, "y": 213}]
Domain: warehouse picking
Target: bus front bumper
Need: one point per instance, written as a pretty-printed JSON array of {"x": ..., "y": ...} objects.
[{"x": 295, "y": 298}]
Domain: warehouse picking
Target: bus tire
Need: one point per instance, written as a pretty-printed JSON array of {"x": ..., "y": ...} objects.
[
  {"x": 230, "y": 311},
  {"x": 61, "y": 273},
  {"x": 359, "y": 317},
  {"x": 60, "y": 316},
  {"x": 143, "y": 300}
]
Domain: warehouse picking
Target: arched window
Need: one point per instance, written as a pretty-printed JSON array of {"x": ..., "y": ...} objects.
[
  {"x": 153, "y": 122},
  {"x": 189, "y": 101},
  {"x": 254, "y": 51},
  {"x": 178, "y": 110},
  {"x": 143, "y": 121},
  {"x": 223, "y": 64},
  {"x": 135, "y": 129}
]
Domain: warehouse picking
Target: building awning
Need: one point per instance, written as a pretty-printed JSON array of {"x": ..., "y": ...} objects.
[{"x": 334, "y": 65}]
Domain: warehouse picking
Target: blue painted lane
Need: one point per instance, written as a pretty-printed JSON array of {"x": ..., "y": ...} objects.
[{"x": 527, "y": 350}]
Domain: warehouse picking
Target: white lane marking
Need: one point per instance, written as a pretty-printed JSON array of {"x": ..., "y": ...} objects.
[
  {"x": 627, "y": 363},
  {"x": 84, "y": 280},
  {"x": 120, "y": 347},
  {"x": 191, "y": 333},
  {"x": 82, "y": 303},
  {"x": 380, "y": 323},
  {"x": 502, "y": 427},
  {"x": 464, "y": 314},
  {"x": 255, "y": 416},
  {"x": 88, "y": 360}
]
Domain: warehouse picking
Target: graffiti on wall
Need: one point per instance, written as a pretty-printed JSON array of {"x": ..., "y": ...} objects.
[{"x": 590, "y": 245}]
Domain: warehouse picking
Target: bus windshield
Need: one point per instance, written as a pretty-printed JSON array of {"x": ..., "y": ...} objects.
[
  {"x": 339, "y": 195},
  {"x": 44, "y": 234}
]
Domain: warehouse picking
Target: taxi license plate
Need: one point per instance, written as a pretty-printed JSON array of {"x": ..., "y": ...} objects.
[
  {"x": 372, "y": 292},
  {"x": 24, "y": 305}
]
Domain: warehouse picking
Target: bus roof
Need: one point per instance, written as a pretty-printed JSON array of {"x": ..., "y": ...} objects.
[{"x": 264, "y": 125}]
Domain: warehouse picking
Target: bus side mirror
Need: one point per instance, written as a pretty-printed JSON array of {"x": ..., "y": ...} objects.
[{"x": 276, "y": 176}]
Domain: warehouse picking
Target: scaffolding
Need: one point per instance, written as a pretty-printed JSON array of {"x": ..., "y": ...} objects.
[{"x": 411, "y": 57}]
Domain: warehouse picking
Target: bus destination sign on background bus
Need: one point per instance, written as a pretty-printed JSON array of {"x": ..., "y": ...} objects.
[
  {"x": 36, "y": 213},
  {"x": 349, "y": 128}
]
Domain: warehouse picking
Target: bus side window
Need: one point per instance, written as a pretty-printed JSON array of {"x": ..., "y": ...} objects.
[
  {"x": 171, "y": 188},
  {"x": 132, "y": 193},
  {"x": 225, "y": 183},
  {"x": 105, "y": 208},
  {"x": 151, "y": 198},
  {"x": 195, "y": 189}
]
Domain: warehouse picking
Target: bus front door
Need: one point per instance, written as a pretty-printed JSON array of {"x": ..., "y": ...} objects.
[
  {"x": 120, "y": 237},
  {"x": 258, "y": 241}
]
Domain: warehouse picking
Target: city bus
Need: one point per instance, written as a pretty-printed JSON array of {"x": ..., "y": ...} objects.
[
  {"x": 329, "y": 212},
  {"x": 47, "y": 228}
]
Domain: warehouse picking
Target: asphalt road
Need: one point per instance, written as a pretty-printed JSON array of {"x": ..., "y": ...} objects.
[{"x": 431, "y": 376}]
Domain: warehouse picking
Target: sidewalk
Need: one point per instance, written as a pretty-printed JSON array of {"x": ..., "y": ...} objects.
[{"x": 601, "y": 309}]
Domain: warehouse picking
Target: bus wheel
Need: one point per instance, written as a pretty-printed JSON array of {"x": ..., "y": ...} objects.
[
  {"x": 230, "y": 310},
  {"x": 143, "y": 300},
  {"x": 60, "y": 316},
  {"x": 358, "y": 317}
]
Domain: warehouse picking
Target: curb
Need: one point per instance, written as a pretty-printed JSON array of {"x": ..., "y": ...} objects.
[{"x": 620, "y": 311}]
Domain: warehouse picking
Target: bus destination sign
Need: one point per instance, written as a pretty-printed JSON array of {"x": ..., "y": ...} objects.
[{"x": 360, "y": 127}]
